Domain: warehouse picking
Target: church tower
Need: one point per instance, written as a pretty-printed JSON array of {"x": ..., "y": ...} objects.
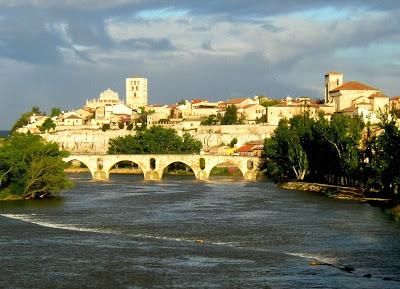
[
  {"x": 332, "y": 80},
  {"x": 136, "y": 91}
]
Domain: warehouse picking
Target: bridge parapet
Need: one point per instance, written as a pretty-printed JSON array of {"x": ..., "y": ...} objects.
[{"x": 153, "y": 165}]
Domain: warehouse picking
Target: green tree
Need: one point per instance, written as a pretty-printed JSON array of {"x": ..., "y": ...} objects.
[
  {"x": 47, "y": 125},
  {"x": 210, "y": 120},
  {"x": 230, "y": 116},
  {"x": 55, "y": 111},
  {"x": 31, "y": 168},
  {"x": 264, "y": 101},
  {"x": 286, "y": 158},
  {"x": 385, "y": 159},
  {"x": 143, "y": 119},
  {"x": 24, "y": 118},
  {"x": 105, "y": 127},
  {"x": 233, "y": 142},
  {"x": 336, "y": 145},
  {"x": 156, "y": 140}
]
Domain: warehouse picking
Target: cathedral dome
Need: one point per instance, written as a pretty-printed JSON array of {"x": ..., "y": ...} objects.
[{"x": 109, "y": 94}]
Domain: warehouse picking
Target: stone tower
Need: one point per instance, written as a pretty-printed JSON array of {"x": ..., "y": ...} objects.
[
  {"x": 136, "y": 91},
  {"x": 332, "y": 80}
]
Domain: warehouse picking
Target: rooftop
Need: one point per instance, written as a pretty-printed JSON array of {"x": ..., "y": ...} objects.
[{"x": 354, "y": 85}]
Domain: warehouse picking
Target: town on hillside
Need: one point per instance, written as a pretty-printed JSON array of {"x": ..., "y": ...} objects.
[{"x": 235, "y": 126}]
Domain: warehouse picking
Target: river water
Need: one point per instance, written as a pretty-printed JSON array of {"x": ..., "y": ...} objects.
[{"x": 127, "y": 233}]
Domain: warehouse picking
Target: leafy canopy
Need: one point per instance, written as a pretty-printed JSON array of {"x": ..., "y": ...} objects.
[
  {"x": 230, "y": 116},
  {"x": 30, "y": 167},
  {"x": 156, "y": 140}
]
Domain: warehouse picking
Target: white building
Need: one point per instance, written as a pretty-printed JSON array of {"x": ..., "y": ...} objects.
[
  {"x": 136, "y": 92},
  {"x": 107, "y": 97}
]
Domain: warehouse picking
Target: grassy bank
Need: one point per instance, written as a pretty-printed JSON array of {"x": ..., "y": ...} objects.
[{"x": 6, "y": 196}]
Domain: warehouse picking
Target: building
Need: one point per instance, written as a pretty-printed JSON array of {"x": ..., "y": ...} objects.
[
  {"x": 253, "y": 113},
  {"x": 238, "y": 102},
  {"x": 354, "y": 98},
  {"x": 394, "y": 102},
  {"x": 107, "y": 97},
  {"x": 288, "y": 108},
  {"x": 136, "y": 91},
  {"x": 333, "y": 80},
  {"x": 73, "y": 120},
  {"x": 253, "y": 148}
]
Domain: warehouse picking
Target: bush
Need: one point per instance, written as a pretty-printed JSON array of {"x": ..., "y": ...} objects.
[{"x": 105, "y": 127}]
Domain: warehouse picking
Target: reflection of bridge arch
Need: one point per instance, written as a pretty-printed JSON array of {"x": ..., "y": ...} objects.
[{"x": 100, "y": 165}]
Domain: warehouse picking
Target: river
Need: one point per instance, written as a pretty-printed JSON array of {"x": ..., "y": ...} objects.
[{"x": 127, "y": 233}]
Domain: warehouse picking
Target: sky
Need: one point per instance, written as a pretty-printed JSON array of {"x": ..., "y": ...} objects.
[{"x": 60, "y": 53}]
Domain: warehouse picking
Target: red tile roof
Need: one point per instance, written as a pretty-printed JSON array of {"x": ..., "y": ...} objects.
[
  {"x": 236, "y": 100},
  {"x": 245, "y": 148},
  {"x": 249, "y": 105},
  {"x": 333, "y": 72},
  {"x": 194, "y": 101},
  {"x": 377, "y": 94},
  {"x": 395, "y": 98},
  {"x": 354, "y": 85}
]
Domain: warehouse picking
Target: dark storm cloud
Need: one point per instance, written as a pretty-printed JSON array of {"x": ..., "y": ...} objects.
[
  {"x": 151, "y": 44},
  {"x": 67, "y": 51}
]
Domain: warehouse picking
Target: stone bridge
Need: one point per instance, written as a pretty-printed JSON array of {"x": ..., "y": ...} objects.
[{"x": 153, "y": 165}]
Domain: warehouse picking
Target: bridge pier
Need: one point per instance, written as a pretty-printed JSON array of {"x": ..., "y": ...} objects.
[
  {"x": 202, "y": 175},
  {"x": 100, "y": 175},
  {"x": 152, "y": 176},
  {"x": 250, "y": 176}
]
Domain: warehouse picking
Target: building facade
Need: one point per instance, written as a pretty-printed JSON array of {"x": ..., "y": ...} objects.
[{"x": 136, "y": 92}]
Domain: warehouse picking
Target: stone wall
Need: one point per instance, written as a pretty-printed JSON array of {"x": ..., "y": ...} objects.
[
  {"x": 84, "y": 141},
  {"x": 96, "y": 141},
  {"x": 223, "y": 134}
]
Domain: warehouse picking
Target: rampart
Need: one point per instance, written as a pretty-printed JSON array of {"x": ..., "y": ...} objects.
[{"x": 96, "y": 141}]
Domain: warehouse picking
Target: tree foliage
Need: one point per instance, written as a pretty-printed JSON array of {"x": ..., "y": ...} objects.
[
  {"x": 230, "y": 116},
  {"x": 156, "y": 140},
  {"x": 325, "y": 151},
  {"x": 24, "y": 118},
  {"x": 335, "y": 152},
  {"x": 286, "y": 156},
  {"x": 31, "y": 168},
  {"x": 47, "y": 125},
  {"x": 55, "y": 111}
]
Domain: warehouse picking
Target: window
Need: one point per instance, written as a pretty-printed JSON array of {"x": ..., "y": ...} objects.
[
  {"x": 337, "y": 81},
  {"x": 134, "y": 94}
]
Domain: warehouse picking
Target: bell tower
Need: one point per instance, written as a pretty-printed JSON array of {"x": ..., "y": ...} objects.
[
  {"x": 332, "y": 80},
  {"x": 136, "y": 91}
]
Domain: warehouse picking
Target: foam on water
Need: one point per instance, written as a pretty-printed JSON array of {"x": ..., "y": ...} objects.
[{"x": 32, "y": 219}]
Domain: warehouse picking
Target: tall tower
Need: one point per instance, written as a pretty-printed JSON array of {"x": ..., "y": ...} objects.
[
  {"x": 332, "y": 80},
  {"x": 136, "y": 91}
]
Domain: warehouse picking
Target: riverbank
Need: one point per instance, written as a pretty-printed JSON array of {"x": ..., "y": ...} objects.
[
  {"x": 333, "y": 191},
  {"x": 5, "y": 196},
  {"x": 343, "y": 193}
]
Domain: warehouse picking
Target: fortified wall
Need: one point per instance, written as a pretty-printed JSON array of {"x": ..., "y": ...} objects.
[
  {"x": 223, "y": 134},
  {"x": 96, "y": 141}
]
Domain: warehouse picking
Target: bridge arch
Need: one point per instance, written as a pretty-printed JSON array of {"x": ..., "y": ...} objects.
[
  {"x": 228, "y": 164},
  {"x": 112, "y": 165},
  {"x": 177, "y": 161},
  {"x": 82, "y": 161}
]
